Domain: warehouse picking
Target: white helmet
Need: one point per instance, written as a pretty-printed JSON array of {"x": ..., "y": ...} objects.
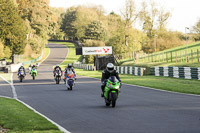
[
  {"x": 57, "y": 65},
  {"x": 110, "y": 67}
]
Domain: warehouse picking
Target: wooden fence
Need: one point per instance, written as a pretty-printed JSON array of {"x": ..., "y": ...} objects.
[{"x": 183, "y": 56}]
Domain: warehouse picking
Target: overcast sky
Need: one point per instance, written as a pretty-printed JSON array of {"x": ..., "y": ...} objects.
[{"x": 185, "y": 13}]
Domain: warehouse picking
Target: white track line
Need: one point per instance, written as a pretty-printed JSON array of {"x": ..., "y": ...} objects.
[
  {"x": 59, "y": 127},
  {"x": 13, "y": 88},
  {"x": 152, "y": 88}
]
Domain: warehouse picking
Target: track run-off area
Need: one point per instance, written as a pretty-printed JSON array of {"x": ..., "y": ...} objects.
[{"x": 82, "y": 110}]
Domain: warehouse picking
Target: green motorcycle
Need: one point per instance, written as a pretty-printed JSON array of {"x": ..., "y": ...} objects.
[
  {"x": 34, "y": 73},
  {"x": 111, "y": 91}
]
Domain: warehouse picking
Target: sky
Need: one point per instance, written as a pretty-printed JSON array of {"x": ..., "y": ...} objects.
[{"x": 185, "y": 13}]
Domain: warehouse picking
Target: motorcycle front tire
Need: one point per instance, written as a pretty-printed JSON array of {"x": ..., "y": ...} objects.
[
  {"x": 113, "y": 99},
  {"x": 21, "y": 78}
]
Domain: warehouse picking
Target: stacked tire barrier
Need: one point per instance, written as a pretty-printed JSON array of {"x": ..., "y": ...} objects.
[
  {"x": 177, "y": 72},
  {"x": 83, "y": 66},
  {"x": 138, "y": 71}
]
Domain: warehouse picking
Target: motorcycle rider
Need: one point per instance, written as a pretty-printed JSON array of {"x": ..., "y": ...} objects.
[
  {"x": 21, "y": 69},
  {"x": 109, "y": 71},
  {"x": 55, "y": 68},
  {"x": 68, "y": 68},
  {"x": 33, "y": 67}
]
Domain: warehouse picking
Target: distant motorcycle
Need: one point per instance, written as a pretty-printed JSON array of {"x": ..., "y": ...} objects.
[
  {"x": 58, "y": 75},
  {"x": 21, "y": 75},
  {"x": 34, "y": 73},
  {"x": 69, "y": 80},
  {"x": 111, "y": 91}
]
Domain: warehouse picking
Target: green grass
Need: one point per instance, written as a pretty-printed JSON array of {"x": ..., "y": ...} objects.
[
  {"x": 163, "y": 83},
  {"x": 174, "y": 60},
  {"x": 18, "y": 118}
]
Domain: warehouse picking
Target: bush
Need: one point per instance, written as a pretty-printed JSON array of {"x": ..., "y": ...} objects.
[{"x": 1, "y": 50}]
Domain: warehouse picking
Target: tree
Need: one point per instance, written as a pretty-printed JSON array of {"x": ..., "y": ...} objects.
[
  {"x": 95, "y": 31},
  {"x": 38, "y": 17},
  {"x": 12, "y": 27},
  {"x": 154, "y": 21},
  {"x": 148, "y": 15},
  {"x": 1, "y": 49},
  {"x": 130, "y": 15},
  {"x": 196, "y": 29},
  {"x": 54, "y": 27},
  {"x": 68, "y": 22}
]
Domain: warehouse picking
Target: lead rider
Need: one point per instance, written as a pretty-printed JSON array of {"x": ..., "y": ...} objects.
[{"x": 109, "y": 71}]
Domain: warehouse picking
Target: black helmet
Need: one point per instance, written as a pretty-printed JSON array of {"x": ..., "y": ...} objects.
[
  {"x": 69, "y": 65},
  {"x": 110, "y": 67}
]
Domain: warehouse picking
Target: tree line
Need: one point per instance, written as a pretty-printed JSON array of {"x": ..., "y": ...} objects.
[{"x": 26, "y": 26}]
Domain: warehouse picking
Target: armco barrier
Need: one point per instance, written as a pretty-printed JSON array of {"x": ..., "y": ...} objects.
[
  {"x": 34, "y": 60},
  {"x": 138, "y": 71},
  {"x": 177, "y": 72}
]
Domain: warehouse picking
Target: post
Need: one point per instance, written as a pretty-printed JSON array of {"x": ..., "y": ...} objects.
[
  {"x": 176, "y": 56},
  {"x": 163, "y": 56},
  {"x": 181, "y": 57},
  {"x": 166, "y": 57},
  {"x": 159, "y": 57},
  {"x": 192, "y": 55},
  {"x": 187, "y": 60},
  {"x": 171, "y": 56},
  {"x": 155, "y": 45},
  {"x": 198, "y": 55},
  {"x": 186, "y": 56},
  {"x": 133, "y": 51}
]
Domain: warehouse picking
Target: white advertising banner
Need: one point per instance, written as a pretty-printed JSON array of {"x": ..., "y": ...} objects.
[{"x": 96, "y": 50}]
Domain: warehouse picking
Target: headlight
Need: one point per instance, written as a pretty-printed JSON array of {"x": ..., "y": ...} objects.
[{"x": 117, "y": 87}]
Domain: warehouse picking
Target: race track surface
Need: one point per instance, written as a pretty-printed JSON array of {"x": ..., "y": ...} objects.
[{"x": 82, "y": 110}]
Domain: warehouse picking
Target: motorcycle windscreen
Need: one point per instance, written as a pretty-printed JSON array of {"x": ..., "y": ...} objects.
[
  {"x": 113, "y": 79},
  {"x": 70, "y": 74}
]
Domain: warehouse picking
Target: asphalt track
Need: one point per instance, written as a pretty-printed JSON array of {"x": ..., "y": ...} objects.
[{"x": 138, "y": 109}]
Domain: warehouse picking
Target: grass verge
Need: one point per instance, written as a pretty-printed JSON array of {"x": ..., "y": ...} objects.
[
  {"x": 19, "y": 119},
  {"x": 163, "y": 83}
]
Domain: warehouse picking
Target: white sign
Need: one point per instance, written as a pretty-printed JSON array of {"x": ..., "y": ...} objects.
[{"x": 96, "y": 50}]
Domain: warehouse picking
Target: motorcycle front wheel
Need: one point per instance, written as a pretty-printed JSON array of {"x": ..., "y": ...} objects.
[
  {"x": 33, "y": 76},
  {"x": 113, "y": 99},
  {"x": 21, "y": 78},
  {"x": 57, "y": 80}
]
